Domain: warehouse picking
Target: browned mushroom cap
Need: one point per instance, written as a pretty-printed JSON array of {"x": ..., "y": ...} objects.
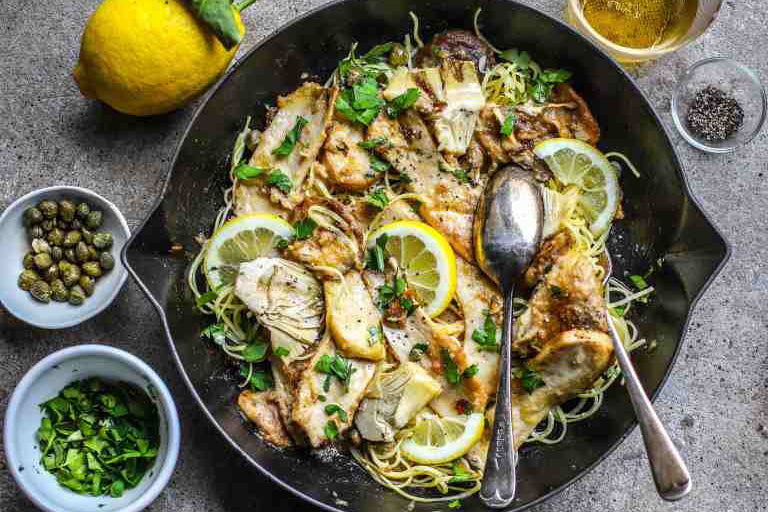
[{"x": 459, "y": 45}]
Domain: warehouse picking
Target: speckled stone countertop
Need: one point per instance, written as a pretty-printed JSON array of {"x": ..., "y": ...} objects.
[{"x": 716, "y": 401}]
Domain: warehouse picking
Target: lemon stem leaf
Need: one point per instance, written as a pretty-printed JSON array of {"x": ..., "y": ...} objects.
[
  {"x": 239, "y": 7},
  {"x": 219, "y": 17}
]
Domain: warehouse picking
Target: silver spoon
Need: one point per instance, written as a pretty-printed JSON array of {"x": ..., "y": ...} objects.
[
  {"x": 673, "y": 481},
  {"x": 507, "y": 233}
]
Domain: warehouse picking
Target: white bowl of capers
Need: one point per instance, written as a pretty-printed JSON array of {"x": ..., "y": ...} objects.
[{"x": 60, "y": 257}]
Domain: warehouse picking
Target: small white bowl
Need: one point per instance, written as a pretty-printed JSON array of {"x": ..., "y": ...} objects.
[
  {"x": 43, "y": 382},
  {"x": 57, "y": 315}
]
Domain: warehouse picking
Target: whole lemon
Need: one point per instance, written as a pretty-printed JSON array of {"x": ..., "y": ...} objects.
[{"x": 147, "y": 57}]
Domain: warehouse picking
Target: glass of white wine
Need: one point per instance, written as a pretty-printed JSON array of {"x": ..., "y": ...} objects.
[{"x": 642, "y": 30}]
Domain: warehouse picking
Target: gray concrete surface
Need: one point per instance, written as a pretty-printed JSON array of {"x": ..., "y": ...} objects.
[{"x": 715, "y": 401}]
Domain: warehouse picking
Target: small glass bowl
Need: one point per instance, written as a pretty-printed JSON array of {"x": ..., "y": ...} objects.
[{"x": 733, "y": 78}]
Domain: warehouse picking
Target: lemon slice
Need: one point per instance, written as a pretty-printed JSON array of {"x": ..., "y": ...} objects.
[
  {"x": 426, "y": 258},
  {"x": 437, "y": 440},
  {"x": 574, "y": 162},
  {"x": 242, "y": 239}
]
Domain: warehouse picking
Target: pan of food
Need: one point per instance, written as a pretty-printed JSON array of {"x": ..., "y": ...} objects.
[{"x": 311, "y": 258}]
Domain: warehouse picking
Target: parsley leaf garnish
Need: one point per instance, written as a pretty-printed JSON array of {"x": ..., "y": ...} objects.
[
  {"x": 291, "y": 138},
  {"x": 486, "y": 337},
  {"x": 247, "y": 172},
  {"x": 361, "y": 102},
  {"x": 331, "y": 430},
  {"x": 521, "y": 59},
  {"x": 403, "y": 102},
  {"x": 470, "y": 371},
  {"x": 639, "y": 282},
  {"x": 335, "y": 366},
  {"x": 374, "y": 143},
  {"x": 375, "y": 258},
  {"x": 260, "y": 380},
  {"x": 206, "y": 298},
  {"x": 282, "y": 351},
  {"x": 279, "y": 180},
  {"x": 460, "y": 474},
  {"x": 304, "y": 228},
  {"x": 531, "y": 379},
  {"x": 377, "y": 164},
  {"x": 509, "y": 124},
  {"x": 452, "y": 374},
  {"x": 214, "y": 330},
  {"x": 378, "y": 198},
  {"x": 255, "y": 352},
  {"x": 332, "y": 409}
]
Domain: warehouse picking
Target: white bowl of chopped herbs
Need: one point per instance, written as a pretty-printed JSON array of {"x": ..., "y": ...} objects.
[{"x": 91, "y": 428}]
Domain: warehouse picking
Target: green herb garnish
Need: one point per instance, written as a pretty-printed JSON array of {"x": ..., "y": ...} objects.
[
  {"x": 486, "y": 337},
  {"x": 361, "y": 102},
  {"x": 378, "y": 198},
  {"x": 282, "y": 351},
  {"x": 375, "y": 258},
  {"x": 639, "y": 282},
  {"x": 244, "y": 171},
  {"x": 99, "y": 438},
  {"x": 377, "y": 164},
  {"x": 206, "y": 298},
  {"x": 375, "y": 143},
  {"x": 531, "y": 379},
  {"x": 279, "y": 180},
  {"x": 304, "y": 228},
  {"x": 255, "y": 352},
  {"x": 520, "y": 59},
  {"x": 332, "y": 409},
  {"x": 403, "y": 102},
  {"x": 470, "y": 371},
  {"x": 509, "y": 124},
  {"x": 460, "y": 474},
  {"x": 335, "y": 366},
  {"x": 331, "y": 430},
  {"x": 258, "y": 380},
  {"x": 452, "y": 374},
  {"x": 291, "y": 138}
]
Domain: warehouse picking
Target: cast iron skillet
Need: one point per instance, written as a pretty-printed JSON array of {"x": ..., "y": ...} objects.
[{"x": 662, "y": 219}]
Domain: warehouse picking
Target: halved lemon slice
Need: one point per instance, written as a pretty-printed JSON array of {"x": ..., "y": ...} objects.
[
  {"x": 242, "y": 239},
  {"x": 576, "y": 163},
  {"x": 426, "y": 258},
  {"x": 437, "y": 440}
]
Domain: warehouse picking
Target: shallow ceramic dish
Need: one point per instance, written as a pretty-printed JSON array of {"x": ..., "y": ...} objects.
[
  {"x": 43, "y": 382},
  {"x": 57, "y": 315},
  {"x": 662, "y": 220}
]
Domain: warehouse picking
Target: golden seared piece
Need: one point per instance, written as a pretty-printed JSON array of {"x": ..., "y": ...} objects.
[
  {"x": 312, "y": 102},
  {"x": 336, "y": 242},
  {"x": 309, "y": 411},
  {"x": 450, "y": 201},
  {"x": 286, "y": 377},
  {"x": 347, "y": 165},
  {"x": 478, "y": 297},
  {"x": 262, "y": 409},
  {"x": 353, "y": 318},
  {"x": 568, "y": 294}
]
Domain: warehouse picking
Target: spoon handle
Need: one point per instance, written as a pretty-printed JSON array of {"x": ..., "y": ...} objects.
[
  {"x": 499, "y": 477},
  {"x": 669, "y": 470}
]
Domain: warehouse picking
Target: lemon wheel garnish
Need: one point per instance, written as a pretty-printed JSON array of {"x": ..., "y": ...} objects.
[
  {"x": 439, "y": 440},
  {"x": 242, "y": 239},
  {"x": 425, "y": 257},
  {"x": 576, "y": 163}
]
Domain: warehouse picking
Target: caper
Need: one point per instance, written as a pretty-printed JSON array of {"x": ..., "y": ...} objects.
[
  {"x": 55, "y": 236},
  {"x": 49, "y": 209},
  {"x": 92, "y": 268},
  {"x": 102, "y": 240},
  {"x": 87, "y": 283},
  {"x": 43, "y": 260},
  {"x": 28, "y": 262},
  {"x": 72, "y": 275},
  {"x": 27, "y": 278},
  {"x": 398, "y": 56},
  {"x": 32, "y": 216},
  {"x": 57, "y": 253},
  {"x": 39, "y": 245},
  {"x": 51, "y": 273},
  {"x": 41, "y": 291},
  {"x": 106, "y": 261},
  {"x": 83, "y": 210},
  {"x": 66, "y": 210},
  {"x": 76, "y": 295},
  {"x": 76, "y": 224},
  {"x": 70, "y": 255},
  {"x": 48, "y": 224},
  {"x": 93, "y": 220},
  {"x": 72, "y": 238},
  {"x": 35, "y": 232},
  {"x": 64, "y": 266},
  {"x": 93, "y": 254},
  {"x": 59, "y": 292},
  {"x": 81, "y": 252},
  {"x": 87, "y": 235}
]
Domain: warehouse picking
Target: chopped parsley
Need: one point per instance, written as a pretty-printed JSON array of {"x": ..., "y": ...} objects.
[
  {"x": 244, "y": 171},
  {"x": 620, "y": 311},
  {"x": 417, "y": 351},
  {"x": 531, "y": 379},
  {"x": 332, "y": 409},
  {"x": 451, "y": 371},
  {"x": 361, "y": 102},
  {"x": 520, "y": 59},
  {"x": 282, "y": 351},
  {"x": 541, "y": 89},
  {"x": 304, "y": 228},
  {"x": 335, "y": 366},
  {"x": 259, "y": 380},
  {"x": 460, "y": 474},
  {"x": 486, "y": 337},
  {"x": 255, "y": 352},
  {"x": 375, "y": 258},
  {"x": 280, "y": 181},
  {"x": 331, "y": 430},
  {"x": 378, "y": 198},
  {"x": 470, "y": 371},
  {"x": 378, "y": 165},
  {"x": 375, "y": 143},
  {"x": 509, "y": 124},
  {"x": 388, "y": 294},
  {"x": 291, "y": 138},
  {"x": 214, "y": 330},
  {"x": 403, "y": 102},
  {"x": 206, "y": 298},
  {"x": 639, "y": 282}
]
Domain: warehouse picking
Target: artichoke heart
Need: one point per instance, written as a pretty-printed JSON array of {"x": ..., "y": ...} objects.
[
  {"x": 394, "y": 398},
  {"x": 286, "y": 298},
  {"x": 464, "y": 98}
]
